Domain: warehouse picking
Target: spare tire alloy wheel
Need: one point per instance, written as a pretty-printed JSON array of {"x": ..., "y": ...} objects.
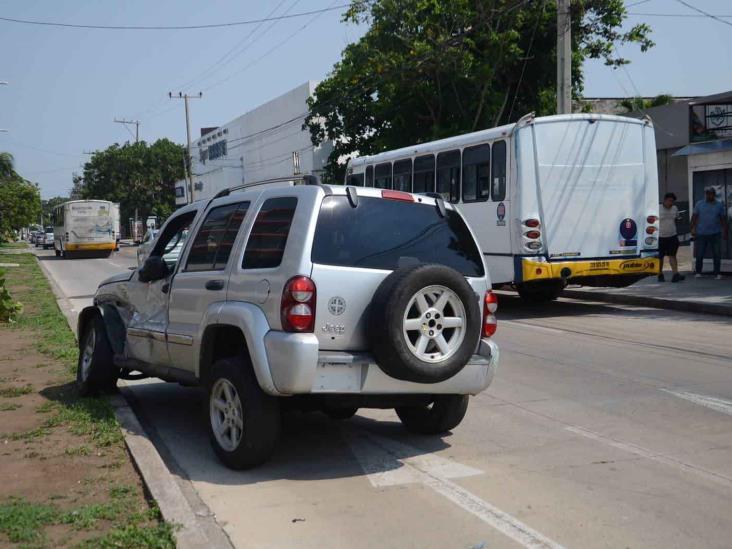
[
  {"x": 434, "y": 324},
  {"x": 227, "y": 416}
]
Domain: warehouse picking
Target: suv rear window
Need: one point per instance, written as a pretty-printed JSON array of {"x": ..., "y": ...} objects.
[{"x": 386, "y": 234}]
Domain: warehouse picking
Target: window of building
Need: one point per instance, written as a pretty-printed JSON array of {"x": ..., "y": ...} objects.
[
  {"x": 476, "y": 173},
  {"x": 382, "y": 176},
  {"x": 403, "y": 175},
  {"x": 370, "y": 176},
  {"x": 179, "y": 192},
  {"x": 448, "y": 175},
  {"x": 212, "y": 246},
  {"x": 424, "y": 174},
  {"x": 268, "y": 238},
  {"x": 498, "y": 192}
]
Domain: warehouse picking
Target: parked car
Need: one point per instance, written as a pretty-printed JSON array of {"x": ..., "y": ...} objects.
[
  {"x": 46, "y": 238},
  {"x": 303, "y": 296}
]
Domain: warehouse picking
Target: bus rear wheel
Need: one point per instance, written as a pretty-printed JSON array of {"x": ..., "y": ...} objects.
[{"x": 542, "y": 292}]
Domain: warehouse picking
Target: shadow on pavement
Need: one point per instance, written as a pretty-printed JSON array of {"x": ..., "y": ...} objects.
[{"x": 312, "y": 446}]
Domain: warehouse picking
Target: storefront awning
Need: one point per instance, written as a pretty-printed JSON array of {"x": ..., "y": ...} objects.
[{"x": 705, "y": 148}]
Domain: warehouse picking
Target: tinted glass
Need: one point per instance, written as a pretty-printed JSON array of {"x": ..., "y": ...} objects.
[
  {"x": 424, "y": 174},
  {"x": 476, "y": 173},
  {"x": 406, "y": 233},
  {"x": 268, "y": 238},
  {"x": 213, "y": 243},
  {"x": 448, "y": 175},
  {"x": 370, "y": 176},
  {"x": 499, "y": 171},
  {"x": 403, "y": 175},
  {"x": 356, "y": 180},
  {"x": 382, "y": 175}
]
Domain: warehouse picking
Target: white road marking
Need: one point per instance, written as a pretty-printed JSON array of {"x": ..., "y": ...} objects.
[
  {"x": 651, "y": 455},
  {"x": 532, "y": 326},
  {"x": 387, "y": 462},
  {"x": 717, "y": 404}
]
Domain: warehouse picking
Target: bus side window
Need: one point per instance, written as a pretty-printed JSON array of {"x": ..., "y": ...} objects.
[
  {"x": 476, "y": 173},
  {"x": 448, "y": 175},
  {"x": 498, "y": 192},
  {"x": 370, "y": 176},
  {"x": 403, "y": 175},
  {"x": 382, "y": 173},
  {"x": 424, "y": 174},
  {"x": 356, "y": 180}
]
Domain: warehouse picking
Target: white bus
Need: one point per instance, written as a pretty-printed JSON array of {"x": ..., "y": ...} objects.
[
  {"x": 553, "y": 200},
  {"x": 84, "y": 226}
]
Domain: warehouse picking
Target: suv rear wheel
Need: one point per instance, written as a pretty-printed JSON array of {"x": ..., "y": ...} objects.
[
  {"x": 96, "y": 372},
  {"x": 244, "y": 422},
  {"x": 443, "y": 414}
]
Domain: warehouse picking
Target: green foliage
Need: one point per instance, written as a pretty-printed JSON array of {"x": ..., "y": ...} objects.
[
  {"x": 20, "y": 200},
  {"x": 428, "y": 69},
  {"x": 22, "y": 521},
  {"x": 9, "y": 309},
  {"x": 136, "y": 175},
  {"x": 633, "y": 104}
]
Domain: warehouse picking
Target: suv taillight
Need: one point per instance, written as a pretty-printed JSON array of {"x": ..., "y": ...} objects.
[
  {"x": 490, "y": 306},
  {"x": 298, "y": 305}
]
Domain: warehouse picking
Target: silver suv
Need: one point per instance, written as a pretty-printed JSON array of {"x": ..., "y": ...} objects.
[{"x": 309, "y": 296}]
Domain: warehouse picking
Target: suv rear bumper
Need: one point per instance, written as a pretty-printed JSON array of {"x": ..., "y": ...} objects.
[{"x": 335, "y": 372}]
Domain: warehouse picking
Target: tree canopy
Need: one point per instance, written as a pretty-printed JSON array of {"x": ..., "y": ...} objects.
[
  {"x": 136, "y": 175},
  {"x": 20, "y": 200},
  {"x": 428, "y": 69}
]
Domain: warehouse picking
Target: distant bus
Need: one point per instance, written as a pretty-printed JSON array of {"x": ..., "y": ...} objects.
[
  {"x": 84, "y": 226},
  {"x": 556, "y": 200}
]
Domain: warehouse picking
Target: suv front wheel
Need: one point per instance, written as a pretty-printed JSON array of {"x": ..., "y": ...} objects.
[
  {"x": 443, "y": 414},
  {"x": 96, "y": 372},
  {"x": 244, "y": 422}
]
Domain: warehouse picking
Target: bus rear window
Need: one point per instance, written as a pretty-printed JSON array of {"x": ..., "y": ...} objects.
[{"x": 387, "y": 234}]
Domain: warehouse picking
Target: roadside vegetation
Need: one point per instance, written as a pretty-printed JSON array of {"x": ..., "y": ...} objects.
[{"x": 65, "y": 476}]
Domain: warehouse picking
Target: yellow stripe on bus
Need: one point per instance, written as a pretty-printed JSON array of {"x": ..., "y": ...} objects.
[{"x": 538, "y": 270}]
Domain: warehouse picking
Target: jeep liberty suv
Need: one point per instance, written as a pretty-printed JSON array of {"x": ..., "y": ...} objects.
[{"x": 316, "y": 297}]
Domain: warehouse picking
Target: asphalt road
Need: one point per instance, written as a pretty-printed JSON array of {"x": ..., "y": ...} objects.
[{"x": 606, "y": 426}]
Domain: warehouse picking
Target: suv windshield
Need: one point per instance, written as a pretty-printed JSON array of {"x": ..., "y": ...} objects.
[{"x": 386, "y": 234}]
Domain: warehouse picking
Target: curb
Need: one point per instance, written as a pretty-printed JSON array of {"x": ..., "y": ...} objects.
[
  {"x": 191, "y": 529},
  {"x": 655, "y": 302}
]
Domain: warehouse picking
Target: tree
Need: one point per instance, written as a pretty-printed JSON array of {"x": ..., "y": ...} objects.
[
  {"x": 20, "y": 200},
  {"x": 6, "y": 165},
  {"x": 633, "y": 104},
  {"x": 139, "y": 176},
  {"x": 428, "y": 69}
]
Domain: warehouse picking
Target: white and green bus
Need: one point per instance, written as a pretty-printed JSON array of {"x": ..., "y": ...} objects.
[{"x": 84, "y": 226}]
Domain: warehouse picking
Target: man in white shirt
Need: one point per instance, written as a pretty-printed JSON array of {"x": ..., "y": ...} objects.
[{"x": 668, "y": 240}]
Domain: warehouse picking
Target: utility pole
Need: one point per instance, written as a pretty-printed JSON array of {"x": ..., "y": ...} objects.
[
  {"x": 564, "y": 58},
  {"x": 189, "y": 161},
  {"x": 137, "y": 127}
]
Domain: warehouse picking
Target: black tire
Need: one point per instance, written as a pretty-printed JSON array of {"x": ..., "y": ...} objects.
[
  {"x": 540, "y": 293},
  {"x": 100, "y": 374},
  {"x": 57, "y": 252},
  {"x": 340, "y": 414},
  {"x": 386, "y": 318},
  {"x": 260, "y": 415},
  {"x": 444, "y": 414}
]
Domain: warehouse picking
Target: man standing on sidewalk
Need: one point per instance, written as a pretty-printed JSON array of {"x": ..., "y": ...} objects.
[
  {"x": 668, "y": 240},
  {"x": 708, "y": 227}
]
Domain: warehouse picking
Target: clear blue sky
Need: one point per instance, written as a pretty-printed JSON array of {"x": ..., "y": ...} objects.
[{"x": 67, "y": 85}]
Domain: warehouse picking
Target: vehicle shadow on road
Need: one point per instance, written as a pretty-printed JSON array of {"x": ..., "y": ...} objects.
[
  {"x": 512, "y": 307},
  {"x": 311, "y": 447}
]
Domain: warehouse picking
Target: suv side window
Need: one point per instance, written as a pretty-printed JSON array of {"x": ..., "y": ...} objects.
[
  {"x": 267, "y": 241},
  {"x": 173, "y": 236},
  {"x": 215, "y": 239}
]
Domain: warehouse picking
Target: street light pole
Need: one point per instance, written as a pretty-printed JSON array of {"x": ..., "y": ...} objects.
[
  {"x": 564, "y": 58},
  {"x": 189, "y": 161}
]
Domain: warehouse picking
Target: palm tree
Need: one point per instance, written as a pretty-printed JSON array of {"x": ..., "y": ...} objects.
[{"x": 6, "y": 165}]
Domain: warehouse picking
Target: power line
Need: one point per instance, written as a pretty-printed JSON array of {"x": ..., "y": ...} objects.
[
  {"x": 706, "y": 14},
  {"x": 720, "y": 18},
  {"x": 172, "y": 27}
]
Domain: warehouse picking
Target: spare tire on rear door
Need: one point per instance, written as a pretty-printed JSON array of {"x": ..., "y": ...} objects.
[{"x": 424, "y": 323}]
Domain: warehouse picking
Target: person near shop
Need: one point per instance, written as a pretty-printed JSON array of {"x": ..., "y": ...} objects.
[
  {"x": 709, "y": 227},
  {"x": 668, "y": 239}
]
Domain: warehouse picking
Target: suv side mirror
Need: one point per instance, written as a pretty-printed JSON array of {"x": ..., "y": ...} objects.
[{"x": 153, "y": 269}]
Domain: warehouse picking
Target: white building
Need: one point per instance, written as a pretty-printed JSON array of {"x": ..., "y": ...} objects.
[{"x": 264, "y": 143}]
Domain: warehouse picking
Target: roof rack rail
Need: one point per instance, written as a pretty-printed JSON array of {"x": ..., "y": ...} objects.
[{"x": 295, "y": 180}]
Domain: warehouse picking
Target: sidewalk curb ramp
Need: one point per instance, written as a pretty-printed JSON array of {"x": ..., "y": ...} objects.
[
  {"x": 192, "y": 529},
  {"x": 655, "y": 302}
]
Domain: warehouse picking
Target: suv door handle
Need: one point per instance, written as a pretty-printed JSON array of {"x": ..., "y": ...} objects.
[{"x": 215, "y": 285}]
